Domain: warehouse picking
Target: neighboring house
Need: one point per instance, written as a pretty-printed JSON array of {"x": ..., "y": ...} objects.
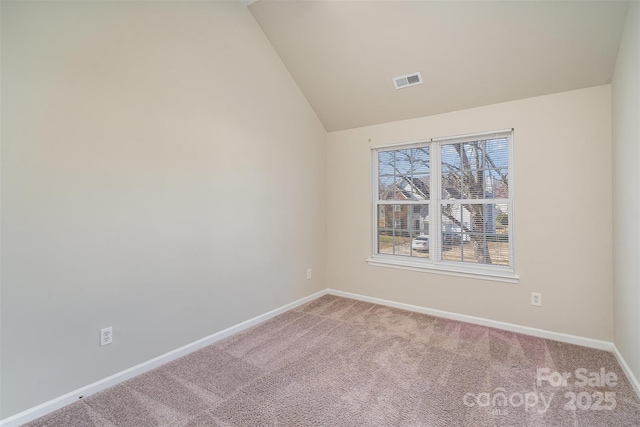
[
  {"x": 493, "y": 189},
  {"x": 414, "y": 218},
  {"x": 410, "y": 219}
]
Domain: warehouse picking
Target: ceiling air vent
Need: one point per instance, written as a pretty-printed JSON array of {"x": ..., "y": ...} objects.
[{"x": 407, "y": 80}]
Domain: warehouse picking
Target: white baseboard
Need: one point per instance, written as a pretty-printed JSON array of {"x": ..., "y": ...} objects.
[
  {"x": 571, "y": 339},
  {"x": 627, "y": 370},
  {"x": 59, "y": 402},
  {"x": 541, "y": 333}
]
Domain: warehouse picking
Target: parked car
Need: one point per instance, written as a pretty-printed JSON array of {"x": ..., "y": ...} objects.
[{"x": 420, "y": 243}]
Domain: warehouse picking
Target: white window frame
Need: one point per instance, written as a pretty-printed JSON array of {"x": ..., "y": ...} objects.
[{"x": 433, "y": 264}]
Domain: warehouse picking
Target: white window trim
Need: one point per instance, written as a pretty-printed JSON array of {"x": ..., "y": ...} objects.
[{"x": 451, "y": 268}]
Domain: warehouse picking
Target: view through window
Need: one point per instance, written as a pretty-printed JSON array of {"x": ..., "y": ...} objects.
[{"x": 446, "y": 202}]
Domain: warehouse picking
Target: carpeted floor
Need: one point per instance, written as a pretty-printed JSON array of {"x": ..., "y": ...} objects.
[{"x": 339, "y": 362}]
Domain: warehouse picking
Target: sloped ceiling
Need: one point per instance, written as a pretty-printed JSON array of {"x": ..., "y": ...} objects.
[{"x": 343, "y": 54}]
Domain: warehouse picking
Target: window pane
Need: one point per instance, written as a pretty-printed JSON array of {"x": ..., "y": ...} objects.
[
  {"x": 403, "y": 230},
  {"x": 475, "y": 233},
  {"x": 404, "y": 174},
  {"x": 475, "y": 170}
]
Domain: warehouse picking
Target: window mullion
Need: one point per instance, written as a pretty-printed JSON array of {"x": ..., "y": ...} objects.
[{"x": 434, "y": 205}]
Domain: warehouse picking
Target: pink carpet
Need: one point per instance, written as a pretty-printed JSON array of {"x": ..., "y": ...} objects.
[{"x": 339, "y": 362}]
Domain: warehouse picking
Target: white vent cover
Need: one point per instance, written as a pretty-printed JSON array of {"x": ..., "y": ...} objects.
[{"x": 407, "y": 80}]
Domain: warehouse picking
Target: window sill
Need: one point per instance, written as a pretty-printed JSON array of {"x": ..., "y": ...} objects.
[{"x": 484, "y": 273}]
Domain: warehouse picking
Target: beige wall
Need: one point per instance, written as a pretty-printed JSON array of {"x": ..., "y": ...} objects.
[
  {"x": 150, "y": 151},
  {"x": 626, "y": 192},
  {"x": 562, "y": 219}
]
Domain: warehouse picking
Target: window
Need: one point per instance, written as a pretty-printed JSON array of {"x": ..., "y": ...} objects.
[{"x": 445, "y": 205}]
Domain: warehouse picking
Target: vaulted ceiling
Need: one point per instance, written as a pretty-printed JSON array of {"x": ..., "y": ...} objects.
[{"x": 343, "y": 54}]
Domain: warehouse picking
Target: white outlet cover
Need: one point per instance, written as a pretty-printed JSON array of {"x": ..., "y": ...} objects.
[
  {"x": 308, "y": 273},
  {"x": 106, "y": 336},
  {"x": 536, "y": 298}
]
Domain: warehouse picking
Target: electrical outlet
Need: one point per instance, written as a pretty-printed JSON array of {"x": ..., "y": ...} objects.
[
  {"x": 536, "y": 298},
  {"x": 106, "y": 336},
  {"x": 308, "y": 273}
]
